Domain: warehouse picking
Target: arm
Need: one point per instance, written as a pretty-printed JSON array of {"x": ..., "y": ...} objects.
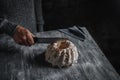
[
  {"x": 20, "y": 34},
  {"x": 7, "y": 27}
]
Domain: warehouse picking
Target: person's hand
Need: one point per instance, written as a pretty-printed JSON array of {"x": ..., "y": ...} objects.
[{"x": 23, "y": 36}]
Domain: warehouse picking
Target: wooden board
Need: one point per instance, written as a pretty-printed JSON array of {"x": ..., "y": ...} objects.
[{"x": 27, "y": 63}]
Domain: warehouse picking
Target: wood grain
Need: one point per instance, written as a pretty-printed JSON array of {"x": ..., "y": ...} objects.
[{"x": 27, "y": 63}]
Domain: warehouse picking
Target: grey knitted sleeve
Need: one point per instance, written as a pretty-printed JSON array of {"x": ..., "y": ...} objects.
[{"x": 7, "y": 27}]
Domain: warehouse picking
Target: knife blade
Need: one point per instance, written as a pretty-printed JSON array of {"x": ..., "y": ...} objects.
[
  {"x": 47, "y": 39},
  {"x": 73, "y": 34},
  {"x": 77, "y": 33}
]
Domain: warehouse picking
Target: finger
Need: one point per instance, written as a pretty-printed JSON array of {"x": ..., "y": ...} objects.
[
  {"x": 32, "y": 35},
  {"x": 24, "y": 41},
  {"x": 19, "y": 42},
  {"x": 30, "y": 39},
  {"x": 33, "y": 38},
  {"x": 16, "y": 39}
]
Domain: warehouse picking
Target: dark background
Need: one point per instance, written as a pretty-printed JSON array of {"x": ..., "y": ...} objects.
[{"x": 100, "y": 17}]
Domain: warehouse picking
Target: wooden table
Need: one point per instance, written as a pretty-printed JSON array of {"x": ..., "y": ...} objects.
[{"x": 27, "y": 63}]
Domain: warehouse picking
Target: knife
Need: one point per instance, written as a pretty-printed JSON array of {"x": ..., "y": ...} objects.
[
  {"x": 47, "y": 39},
  {"x": 77, "y": 33},
  {"x": 73, "y": 33}
]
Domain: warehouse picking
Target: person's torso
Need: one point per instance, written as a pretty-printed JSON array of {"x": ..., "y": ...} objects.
[{"x": 22, "y": 12}]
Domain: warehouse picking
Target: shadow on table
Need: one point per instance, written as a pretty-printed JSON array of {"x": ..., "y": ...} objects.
[{"x": 39, "y": 60}]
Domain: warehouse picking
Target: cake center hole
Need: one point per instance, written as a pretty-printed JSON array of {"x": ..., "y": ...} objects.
[{"x": 63, "y": 44}]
